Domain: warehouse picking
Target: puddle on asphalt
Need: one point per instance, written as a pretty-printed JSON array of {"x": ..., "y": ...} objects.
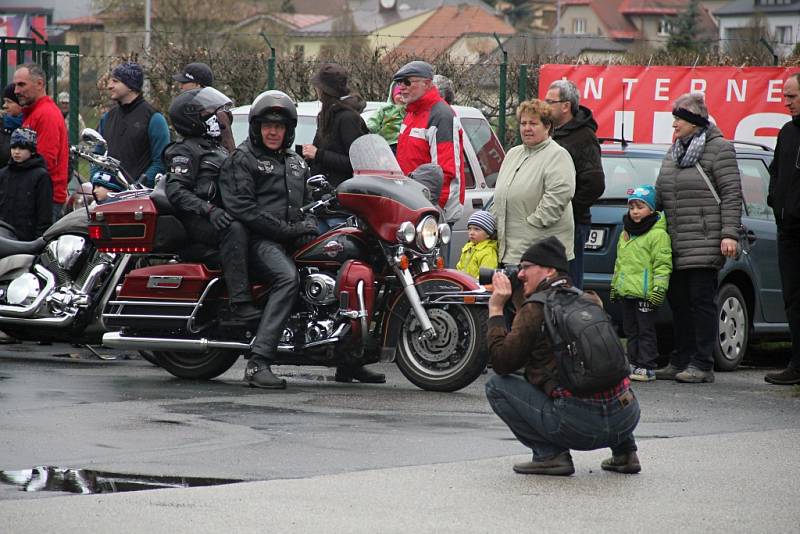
[{"x": 87, "y": 481}]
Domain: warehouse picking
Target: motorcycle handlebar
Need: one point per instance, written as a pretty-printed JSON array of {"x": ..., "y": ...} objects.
[{"x": 317, "y": 204}]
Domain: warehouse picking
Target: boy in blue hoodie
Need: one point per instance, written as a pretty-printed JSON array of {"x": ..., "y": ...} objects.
[{"x": 641, "y": 278}]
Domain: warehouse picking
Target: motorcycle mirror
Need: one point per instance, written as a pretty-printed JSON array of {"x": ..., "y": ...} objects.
[
  {"x": 318, "y": 181},
  {"x": 92, "y": 137}
]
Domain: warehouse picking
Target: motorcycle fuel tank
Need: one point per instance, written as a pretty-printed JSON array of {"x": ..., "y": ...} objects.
[{"x": 333, "y": 249}]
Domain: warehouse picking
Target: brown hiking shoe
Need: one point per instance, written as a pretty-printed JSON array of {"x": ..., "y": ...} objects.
[
  {"x": 625, "y": 463},
  {"x": 788, "y": 377},
  {"x": 693, "y": 375},
  {"x": 559, "y": 465},
  {"x": 667, "y": 373}
]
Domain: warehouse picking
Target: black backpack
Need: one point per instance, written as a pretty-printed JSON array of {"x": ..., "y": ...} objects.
[{"x": 589, "y": 354}]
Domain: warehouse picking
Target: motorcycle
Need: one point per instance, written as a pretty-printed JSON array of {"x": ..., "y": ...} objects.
[
  {"x": 371, "y": 289},
  {"x": 53, "y": 288}
]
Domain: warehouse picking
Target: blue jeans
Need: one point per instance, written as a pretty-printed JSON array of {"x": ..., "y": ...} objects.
[
  {"x": 552, "y": 426},
  {"x": 576, "y": 265}
]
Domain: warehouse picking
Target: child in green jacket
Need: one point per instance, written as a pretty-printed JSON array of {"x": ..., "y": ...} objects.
[
  {"x": 641, "y": 278},
  {"x": 481, "y": 249},
  {"x": 388, "y": 118}
]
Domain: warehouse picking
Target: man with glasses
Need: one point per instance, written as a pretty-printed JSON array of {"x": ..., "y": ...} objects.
[
  {"x": 784, "y": 198},
  {"x": 575, "y": 130},
  {"x": 539, "y": 410},
  {"x": 431, "y": 133}
]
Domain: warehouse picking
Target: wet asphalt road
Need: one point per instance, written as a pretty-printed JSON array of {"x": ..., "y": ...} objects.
[{"x": 127, "y": 416}]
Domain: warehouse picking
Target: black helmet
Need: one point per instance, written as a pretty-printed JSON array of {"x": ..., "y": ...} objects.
[
  {"x": 190, "y": 110},
  {"x": 272, "y": 106}
]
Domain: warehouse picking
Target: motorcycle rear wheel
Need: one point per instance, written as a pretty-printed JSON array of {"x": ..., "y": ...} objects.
[
  {"x": 452, "y": 360},
  {"x": 197, "y": 366}
]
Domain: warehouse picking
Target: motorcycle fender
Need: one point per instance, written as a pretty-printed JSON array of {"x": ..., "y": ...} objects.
[
  {"x": 13, "y": 266},
  {"x": 438, "y": 281}
]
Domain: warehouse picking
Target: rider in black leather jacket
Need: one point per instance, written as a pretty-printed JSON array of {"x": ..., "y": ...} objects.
[
  {"x": 263, "y": 186},
  {"x": 194, "y": 164}
]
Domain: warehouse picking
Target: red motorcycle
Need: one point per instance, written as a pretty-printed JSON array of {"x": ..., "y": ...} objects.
[{"x": 372, "y": 289}]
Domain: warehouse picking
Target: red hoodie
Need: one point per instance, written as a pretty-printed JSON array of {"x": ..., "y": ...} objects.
[{"x": 46, "y": 119}]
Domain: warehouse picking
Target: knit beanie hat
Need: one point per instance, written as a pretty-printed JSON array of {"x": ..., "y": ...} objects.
[
  {"x": 548, "y": 252},
  {"x": 483, "y": 220},
  {"x": 107, "y": 180},
  {"x": 9, "y": 93},
  {"x": 331, "y": 79},
  {"x": 645, "y": 193},
  {"x": 23, "y": 138},
  {"x": 131, "y": 74}
]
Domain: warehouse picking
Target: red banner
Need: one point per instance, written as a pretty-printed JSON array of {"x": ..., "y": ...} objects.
[{"x": 745, "y": 103}]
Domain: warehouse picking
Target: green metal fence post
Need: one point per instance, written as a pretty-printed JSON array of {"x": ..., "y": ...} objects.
[
  {"x": 74, "y": 95},
  {"x": 501, "y": 120},
  {"x": 270, "y": 63},
  {"x": 522, "y": 91}
]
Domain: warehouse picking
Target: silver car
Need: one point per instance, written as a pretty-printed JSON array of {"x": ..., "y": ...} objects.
[{"x": 482, "y": 150}]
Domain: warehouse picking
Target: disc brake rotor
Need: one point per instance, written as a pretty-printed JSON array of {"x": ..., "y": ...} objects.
[{"x": 444, "y": 345}]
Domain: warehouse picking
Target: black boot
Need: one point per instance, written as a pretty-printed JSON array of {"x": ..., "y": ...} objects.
[
  {"x": 360, "y": 373},
  {"x": 259, "y": 375},
  {"x": 245, "y": 312}
]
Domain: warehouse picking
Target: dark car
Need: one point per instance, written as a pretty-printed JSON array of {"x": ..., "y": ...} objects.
[{"x": 749, "y": 299}]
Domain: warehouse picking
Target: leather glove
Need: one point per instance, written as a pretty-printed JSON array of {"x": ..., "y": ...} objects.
[
  {"x": 657, "y": 296},
  {"x": 220, "y": 219},
  {"x": 306, "y": 226},
  {"x": 614, "y": 295}
]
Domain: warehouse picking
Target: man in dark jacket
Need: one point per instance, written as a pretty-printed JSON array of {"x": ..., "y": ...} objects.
[
  {"x": 575, "y": 130},
  {"x": 136, "y": 133},
  {"x": 194, "y": 164},
  {"x": 196, "y": 76},
  {"x": 784, "y": 198},
  {"x": 263, "y": 186},
  {"x": 25, "y": 188},
  {"x": 541, "y": 413}
]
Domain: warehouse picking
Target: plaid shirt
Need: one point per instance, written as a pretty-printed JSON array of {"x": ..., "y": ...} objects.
[{"x": 609, "y": 394}]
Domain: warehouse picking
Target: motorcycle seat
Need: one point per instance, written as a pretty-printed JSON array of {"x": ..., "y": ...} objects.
[
  {"x": 160, "y": 199},
  {"x": 9, "y": 247}
]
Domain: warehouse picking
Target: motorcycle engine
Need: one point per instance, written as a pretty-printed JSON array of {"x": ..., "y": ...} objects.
[{"x": 319, "y": 289}]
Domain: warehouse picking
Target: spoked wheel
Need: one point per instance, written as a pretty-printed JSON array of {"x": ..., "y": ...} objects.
[
  {"x": 197, "y": 365},
  {"x": 734, "y": 324},
  {"x": 451, "y": 360}
]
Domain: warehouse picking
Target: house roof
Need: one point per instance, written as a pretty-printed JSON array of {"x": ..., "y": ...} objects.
[
  {"x": 651, "y": 7},
  {"x": 298, "y": 20},
  {"x": 336, "y": 7},
  {"x": 616, "y": 24},
  {"x": 80, "y": 21},
  {"x": 359, "y": 21},
  {"x": 748, "y": 7},
  {"x": 448, "y": 24}
]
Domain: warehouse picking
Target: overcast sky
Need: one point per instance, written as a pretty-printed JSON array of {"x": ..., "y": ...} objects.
[{"x": 64, "y": 9}]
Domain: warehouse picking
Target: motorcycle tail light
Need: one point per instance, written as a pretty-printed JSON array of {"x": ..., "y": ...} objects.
[{"x": 96, "y": 232}]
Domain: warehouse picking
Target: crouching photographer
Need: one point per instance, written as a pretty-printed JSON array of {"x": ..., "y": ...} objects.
[{"x": 559, "y": 406}]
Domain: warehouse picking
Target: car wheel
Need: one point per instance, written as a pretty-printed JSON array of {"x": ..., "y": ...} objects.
[{"x": 734, "y": 328}]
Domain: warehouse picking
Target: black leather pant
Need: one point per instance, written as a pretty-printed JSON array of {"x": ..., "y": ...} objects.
[
  {"x": 232, "y": 243},
  {"x": 270, "y": 263}
]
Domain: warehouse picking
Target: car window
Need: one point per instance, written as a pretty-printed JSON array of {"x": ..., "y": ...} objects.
[
  {"x": 755, "y": 186},
  {"x": 487, "y": 147},
  {"x": 624, "y": 173}
]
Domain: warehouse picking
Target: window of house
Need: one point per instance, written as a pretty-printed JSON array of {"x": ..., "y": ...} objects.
[
  {"x": 783, "y": 34},
  {"x": 664, "y": 27},
  {"x": 120, "y": 44},
  {"x": 579, "y": 26}
]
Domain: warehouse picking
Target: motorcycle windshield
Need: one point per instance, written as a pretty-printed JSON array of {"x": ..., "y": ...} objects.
[{"x": 370, "y": 154}]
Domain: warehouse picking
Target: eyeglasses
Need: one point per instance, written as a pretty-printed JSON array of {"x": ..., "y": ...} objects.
[
  {"x": 405, "y": 81},
  {"x": 550, "y": 101}
]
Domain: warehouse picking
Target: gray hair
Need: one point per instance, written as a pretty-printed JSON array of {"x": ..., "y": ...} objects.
[
  {"x": 694, "y": 102},
  {"x": 34, "y": 70},
  {"x": 568, "y": 92},
  {"x": 445, "y": 87}
]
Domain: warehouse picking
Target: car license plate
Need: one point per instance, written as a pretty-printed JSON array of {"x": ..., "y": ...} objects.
[{"x": 597, "y": 237}]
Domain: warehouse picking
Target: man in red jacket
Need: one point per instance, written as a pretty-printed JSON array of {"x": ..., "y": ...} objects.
[
  {"x": 42, "y": 115},
  {"x": 431, "y": 133}
]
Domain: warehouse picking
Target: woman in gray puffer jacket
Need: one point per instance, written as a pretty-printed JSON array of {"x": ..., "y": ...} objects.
[{"x": 703, "y": 231}]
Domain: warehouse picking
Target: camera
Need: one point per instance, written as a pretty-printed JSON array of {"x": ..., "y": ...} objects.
[{"x": 485, "y": 274}]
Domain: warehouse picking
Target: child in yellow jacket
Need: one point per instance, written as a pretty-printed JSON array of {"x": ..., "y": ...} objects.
[{"x": 481, "y": 249}]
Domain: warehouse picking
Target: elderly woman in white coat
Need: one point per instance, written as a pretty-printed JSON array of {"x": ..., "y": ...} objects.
[{"x": 532, "y": 198}]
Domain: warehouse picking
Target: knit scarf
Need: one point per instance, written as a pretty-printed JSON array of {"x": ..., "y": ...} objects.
[
  {"x": 642, "y": 227},
  {"x": 687, "y": 153},
  {"x": 11, "y": 122}
]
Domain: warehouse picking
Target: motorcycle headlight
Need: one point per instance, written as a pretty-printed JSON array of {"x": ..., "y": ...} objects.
[
  {"x": 66, "y": 250},
  {"x": 445, "y": 233},
  {"x": 427, "y": 233},
  {"x": 406, "y": 233}
]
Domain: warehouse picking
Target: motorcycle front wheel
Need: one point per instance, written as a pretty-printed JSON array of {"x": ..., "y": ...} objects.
[
  {"x": 451, "y": 360},
  {"x": 197, "y": 365}
]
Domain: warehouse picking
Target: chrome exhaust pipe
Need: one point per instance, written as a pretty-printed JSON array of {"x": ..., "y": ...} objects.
[
  {"x": 30, "y": 309},
  {"x": 66, "y": 320},
  {"x": 115, "y": 340}
]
